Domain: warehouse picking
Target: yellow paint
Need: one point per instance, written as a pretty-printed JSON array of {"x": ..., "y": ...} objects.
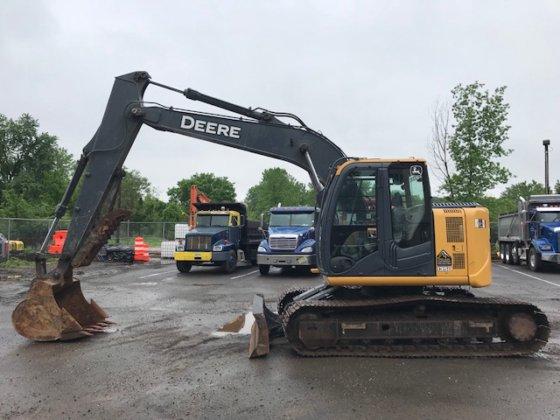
[
  {"x": 455, "y": 220},
  {"x": 234, "y": 215},
  {"x": 231, "y": 213},
  {"x": 478, "y": 246},
  {"x": 342, "y": 166},
  {"x": 192, "y": 256},
  {"x": 396, "y": 281},
  {"x": 16, "y": 245},
  {"x": 464, "y": 234}
]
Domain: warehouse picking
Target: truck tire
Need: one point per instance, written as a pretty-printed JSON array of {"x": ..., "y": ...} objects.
[
  {"x": 503, "y": 252},
  {"x": 507, "y": 252},
  {"x": 534, "y": 260},
  {"x": 264, "y": 269},
  {"x": 515, "y": 254},
  {"x": 230, "y": 264},
  {"x": 183, "y": 267}
]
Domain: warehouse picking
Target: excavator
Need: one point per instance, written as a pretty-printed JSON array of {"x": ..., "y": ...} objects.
[{"x": 398, "y": 269}]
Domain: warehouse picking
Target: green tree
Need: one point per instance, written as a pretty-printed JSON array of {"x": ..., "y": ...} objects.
[
  {"x": 480, "y": 131},
  {"x": 137, "y": 195},
  {"x": 218, "y": 188},
  {"x": 523, "y": 189},
  {"x": 277, "y": 186},
  {"x": 557, "y": 187},
  {"x": 173, "y": 212},
  {"x": 34, "y": 169},
  {"x": 134, "y": 190}
]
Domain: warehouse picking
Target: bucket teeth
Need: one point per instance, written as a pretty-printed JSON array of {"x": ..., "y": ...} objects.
[{"x": 52, "y": 312}]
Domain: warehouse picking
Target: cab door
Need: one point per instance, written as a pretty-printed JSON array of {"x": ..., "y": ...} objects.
[{"x": 376, "y": 220}]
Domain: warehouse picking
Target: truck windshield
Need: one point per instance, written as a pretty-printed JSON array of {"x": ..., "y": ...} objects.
[
  {"x": 205, "y": 220},
  {"x": 291, "y": 219},
  {"x": 548, "y": 216}
]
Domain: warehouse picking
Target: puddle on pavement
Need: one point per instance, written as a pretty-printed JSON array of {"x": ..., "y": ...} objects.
[{"x": 240, "y": 325}]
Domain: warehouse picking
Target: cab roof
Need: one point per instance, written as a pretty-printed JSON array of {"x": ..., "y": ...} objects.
[{"x": 225, "y": 207}]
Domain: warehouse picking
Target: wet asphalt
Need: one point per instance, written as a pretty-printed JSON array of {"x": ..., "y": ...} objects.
[{"x": 161, "y": 361}]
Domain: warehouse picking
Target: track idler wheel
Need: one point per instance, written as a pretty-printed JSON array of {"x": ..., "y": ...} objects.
[
  {"x": 52, "y": 312},
  {"x": 522, "y": 327}
]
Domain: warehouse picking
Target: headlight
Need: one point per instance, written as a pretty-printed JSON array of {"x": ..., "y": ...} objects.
[
  {"x": 545, "y": 247},
  {"x": 217, "y": 247},
  {"x": 307, "y": 249},
  {"x": 261, "y": 249}
]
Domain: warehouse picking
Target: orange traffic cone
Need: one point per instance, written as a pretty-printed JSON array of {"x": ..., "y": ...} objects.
[{"x": 141, "y": 250}]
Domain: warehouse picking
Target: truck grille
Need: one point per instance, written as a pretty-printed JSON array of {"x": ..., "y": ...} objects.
[
  {"x": 283, "y": 242},
  {"x": 199, "y": 243}
]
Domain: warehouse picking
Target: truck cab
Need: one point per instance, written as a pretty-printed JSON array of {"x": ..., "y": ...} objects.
[
  {"x": 222, "y": 237},
  {"x": 289, "y": 240},
  {"x": 533, "y": 233}
]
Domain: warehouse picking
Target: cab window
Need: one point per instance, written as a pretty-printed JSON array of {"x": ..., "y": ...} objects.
[
  {"x": 354, "y": 229},
  {"x": 409, "y": 216}
]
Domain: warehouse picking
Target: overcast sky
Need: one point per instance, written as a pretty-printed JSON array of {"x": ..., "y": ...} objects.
[{"x": 367, "y": 74}]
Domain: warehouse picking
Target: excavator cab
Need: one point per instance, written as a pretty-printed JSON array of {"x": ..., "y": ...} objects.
[{"x": 376, "y": 220}]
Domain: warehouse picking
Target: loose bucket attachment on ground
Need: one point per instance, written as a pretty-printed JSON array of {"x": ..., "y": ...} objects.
[
  {"x": 266, "y": 327},
  {"x": 52, "y": 312}
]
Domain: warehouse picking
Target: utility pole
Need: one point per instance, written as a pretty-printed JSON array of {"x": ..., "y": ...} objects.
[{"x": 546, "y": 143}]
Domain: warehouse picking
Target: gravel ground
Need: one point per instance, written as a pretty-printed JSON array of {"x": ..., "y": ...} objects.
[{"x": 161, "y": 359}]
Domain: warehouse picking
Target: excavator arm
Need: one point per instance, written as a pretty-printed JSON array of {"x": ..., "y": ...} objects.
[
  {"x": 100, "y": 171},
  {"x": 125, "y": 114}
]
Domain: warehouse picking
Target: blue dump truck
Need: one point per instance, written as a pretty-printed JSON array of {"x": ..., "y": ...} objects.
[
  {"x": 531, "y": 235},
  {"x": 223, "y": 236},
  {"x": 290, "y": 239}
]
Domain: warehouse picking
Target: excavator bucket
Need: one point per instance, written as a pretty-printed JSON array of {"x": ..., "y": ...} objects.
[
  {"x": 266, "y": 327},
  {"x": 52, "y": 312}
]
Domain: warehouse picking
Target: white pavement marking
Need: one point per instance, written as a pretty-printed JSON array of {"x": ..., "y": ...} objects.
[
  {"x": 157, "y": 274},
  {"x": 243, "y": 275},
  {"x": 529, "y": 275}
]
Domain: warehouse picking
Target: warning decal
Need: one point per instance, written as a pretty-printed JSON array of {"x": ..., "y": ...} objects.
[{"x": 444, "y": 261}]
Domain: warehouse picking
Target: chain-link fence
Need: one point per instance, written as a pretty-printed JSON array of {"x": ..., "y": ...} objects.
[{"x": 33, "y": 231}]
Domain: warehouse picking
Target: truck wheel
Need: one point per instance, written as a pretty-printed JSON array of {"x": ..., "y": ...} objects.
[
  {"x": 515, "y": 255},
  {"x": 535, "y": 262},
  {"x": 507, "y": 252},
  {"x": 503, "y": 252},
  {"x": 264, "y": 269},
  {"x": 230, "y": 264},
  {"x": 183, "y": 267}
]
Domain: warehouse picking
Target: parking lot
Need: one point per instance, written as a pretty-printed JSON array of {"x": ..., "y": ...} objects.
[{"x": 161, "y": 359}]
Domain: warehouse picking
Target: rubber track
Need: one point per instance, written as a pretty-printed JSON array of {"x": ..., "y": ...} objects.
[
  {"x": 287, "y": 296},
  {"x": 502, "y": 349}
]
